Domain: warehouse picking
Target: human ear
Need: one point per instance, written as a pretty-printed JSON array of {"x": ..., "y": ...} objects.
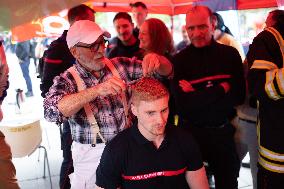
[
  {"x": 134, "y": 109},
  {"x": 214, "y": 22},
  {"x": 73, "y": 51}
]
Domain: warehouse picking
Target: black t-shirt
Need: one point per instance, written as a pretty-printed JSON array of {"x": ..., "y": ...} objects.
[
  {"x": 136, "y": 32},
  {"x": 131, "y": 161}
]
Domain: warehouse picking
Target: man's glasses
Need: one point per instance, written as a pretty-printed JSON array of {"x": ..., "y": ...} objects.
[{"x": 94, "y": 47}]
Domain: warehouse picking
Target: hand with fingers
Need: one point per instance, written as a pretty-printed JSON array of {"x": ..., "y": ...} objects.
[
  {"x": 186, "y": 86},
  {"x": 150, "y": 64},
  {"x": 112, "y": 86}
]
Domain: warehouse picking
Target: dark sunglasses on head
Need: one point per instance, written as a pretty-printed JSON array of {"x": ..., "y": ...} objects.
[{"x": 94, "y": 47}]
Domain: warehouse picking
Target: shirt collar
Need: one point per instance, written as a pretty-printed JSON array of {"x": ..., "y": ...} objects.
[
  {"x": 142, "y": 140},
  {"x": 211, "y": 45},
  {"x": 137, "y": 135},
  {"x": 121, "y": 45}
]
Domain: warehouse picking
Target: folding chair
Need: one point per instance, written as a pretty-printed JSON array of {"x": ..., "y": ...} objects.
[{"x": 24, "y": 140}]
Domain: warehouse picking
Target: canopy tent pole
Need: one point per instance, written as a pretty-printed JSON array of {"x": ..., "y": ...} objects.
[{"x": 172, "y": 25}]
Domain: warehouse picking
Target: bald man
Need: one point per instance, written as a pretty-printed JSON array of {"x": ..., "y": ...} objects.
[{"x": 207, "y": 85}]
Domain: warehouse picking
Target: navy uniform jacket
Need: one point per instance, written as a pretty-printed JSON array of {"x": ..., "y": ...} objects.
[
  {"x": 266, "y": 83},
  {"x": 57, "y": 59},
  {"x": 131, "y": 161},
  {"x": 205, "y": 68}
]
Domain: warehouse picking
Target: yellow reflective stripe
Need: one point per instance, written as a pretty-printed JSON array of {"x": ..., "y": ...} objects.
[
  {"x": 278, "y": 38},
  {"x": 280, "y": 80},
  {"x": 258, "y": 125},
  {"x": 276, "y": 34},
  {"x": 263, "y": 64},
  {"x": 270, "y": 154},
  {"x": 271, "y": 166},
  {"x": 269, "y": 86}
]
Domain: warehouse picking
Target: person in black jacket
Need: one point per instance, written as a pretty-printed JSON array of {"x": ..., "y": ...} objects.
[
  {"x": 265, "y": 83},
  {"x": 57, "y": 59},
  {"x": 125, "y": 44},
  {"x": 23, "y": 54},
  {"x": 140, "y": 12},
  {"x": 208, "y": 83},
  {"x": 185, "y": 40}
]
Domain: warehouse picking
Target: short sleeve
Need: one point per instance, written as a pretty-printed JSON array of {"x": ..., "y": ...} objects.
[
  {"x": 108, "y": 174},
  {"x": 190, "y": 151}
]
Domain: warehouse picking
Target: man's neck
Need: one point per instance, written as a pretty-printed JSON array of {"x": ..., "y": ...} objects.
[
  {"x": 217, "y": 34},
  {"x": 158, "y": 140},
  {"x": 130, "y": 42},
  {"x": 97, "y": 74},
  {"x": 155, "y": 139}
]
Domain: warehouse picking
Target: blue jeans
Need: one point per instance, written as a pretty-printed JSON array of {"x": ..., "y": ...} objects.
[{"x": 25, "y": 70}]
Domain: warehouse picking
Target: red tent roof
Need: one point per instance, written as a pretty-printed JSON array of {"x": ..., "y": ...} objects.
[{"x": 19, "y": 14}]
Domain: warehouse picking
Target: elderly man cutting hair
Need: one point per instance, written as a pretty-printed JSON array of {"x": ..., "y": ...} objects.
[{"x": 92, "y": 96}]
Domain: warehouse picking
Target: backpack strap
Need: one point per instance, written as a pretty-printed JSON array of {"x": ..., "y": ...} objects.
[
  {"x": 114, "y": 72},
  {"x": 87, "y": 107}
]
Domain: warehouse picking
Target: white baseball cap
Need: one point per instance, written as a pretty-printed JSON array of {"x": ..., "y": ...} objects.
[{"x": 84, "y": 31}]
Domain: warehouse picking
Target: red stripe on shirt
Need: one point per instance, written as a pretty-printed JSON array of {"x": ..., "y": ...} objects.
[
  {"x": 210, "y": 78},
  {"x": 155, "y": 174},
  {"x": 53, "y": 61}
]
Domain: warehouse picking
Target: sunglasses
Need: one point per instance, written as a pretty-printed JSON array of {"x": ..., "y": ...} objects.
[{"x": 94, "y": 47}]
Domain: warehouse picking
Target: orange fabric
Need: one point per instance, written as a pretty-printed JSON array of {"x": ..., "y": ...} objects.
[
  {"x": 170, "y": 7},
  {"x": 38, "y": 29},
  {"x": 25, "y": 31},
  {"x": 20, "y": 12},
  {"x": 253, "y": 4},
  {"x": 17, "y": 15}
]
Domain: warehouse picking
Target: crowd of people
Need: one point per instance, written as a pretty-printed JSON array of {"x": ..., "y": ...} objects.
[{"x": 136, "y": 112}]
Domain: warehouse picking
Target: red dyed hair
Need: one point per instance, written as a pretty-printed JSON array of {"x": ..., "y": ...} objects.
[{"x": 148, "y": 89}]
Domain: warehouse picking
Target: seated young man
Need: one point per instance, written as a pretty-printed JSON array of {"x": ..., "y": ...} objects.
[{"x": 150, "y": 154}]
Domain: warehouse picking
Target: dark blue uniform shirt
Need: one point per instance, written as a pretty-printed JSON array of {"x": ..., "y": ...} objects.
[{"x": 131, "y": 161}]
